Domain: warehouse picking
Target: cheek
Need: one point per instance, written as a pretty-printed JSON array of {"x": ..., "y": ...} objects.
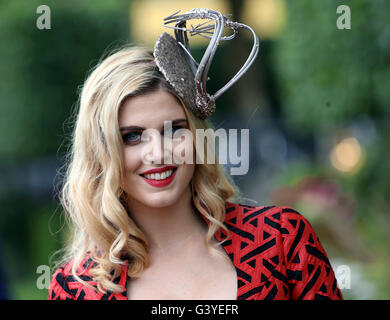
[
  {"x": 131, "y": 161},
  {"x": 187, "y": 173}
]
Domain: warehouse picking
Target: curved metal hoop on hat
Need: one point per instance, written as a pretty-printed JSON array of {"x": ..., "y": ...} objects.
[{"x": 175, "y": 61}]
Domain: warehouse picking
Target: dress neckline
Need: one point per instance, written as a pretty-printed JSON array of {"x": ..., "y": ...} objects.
[{"x": 216, "y": 237}]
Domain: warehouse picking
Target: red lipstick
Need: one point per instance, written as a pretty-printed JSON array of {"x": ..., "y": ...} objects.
[
  {"x": 163, "y": 182},
  {"x": 159, "y": 170}
]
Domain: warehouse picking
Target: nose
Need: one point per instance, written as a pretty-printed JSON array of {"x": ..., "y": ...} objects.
[{"x": 157, "y": 150}]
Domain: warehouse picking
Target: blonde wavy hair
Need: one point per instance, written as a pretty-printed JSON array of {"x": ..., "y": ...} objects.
[{"x": 91, "y": 195}]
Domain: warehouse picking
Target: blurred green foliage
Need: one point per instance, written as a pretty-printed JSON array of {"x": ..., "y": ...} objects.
[
  {"x": 42, "y": 72},
  {"x": 44, "y": 68},
  {"x": 332, "y": 80},
  {"x": 328, "y": 76}
]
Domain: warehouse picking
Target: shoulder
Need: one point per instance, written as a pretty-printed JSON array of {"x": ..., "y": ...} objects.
[
  {"x": 283, "y": 227},
  {"x": 64, "y": 285},
  {"x": 284, "y": 220},
  {"x": 287, "y": 247}
]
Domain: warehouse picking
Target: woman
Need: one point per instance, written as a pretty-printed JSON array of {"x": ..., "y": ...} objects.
[{"x": 137, "y": 230}]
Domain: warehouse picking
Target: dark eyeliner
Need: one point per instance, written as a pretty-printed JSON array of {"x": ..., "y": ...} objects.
[{"x": 127, "y": 134}]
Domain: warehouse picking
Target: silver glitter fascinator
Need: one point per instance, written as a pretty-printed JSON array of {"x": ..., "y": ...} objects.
[{"x": 185, "y": 75}]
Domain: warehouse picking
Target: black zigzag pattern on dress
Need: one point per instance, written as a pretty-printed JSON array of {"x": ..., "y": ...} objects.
[{"x": 275, "y": 251}]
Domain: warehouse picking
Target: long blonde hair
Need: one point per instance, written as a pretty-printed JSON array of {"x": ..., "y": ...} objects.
[{"x": 91, "y": 195}]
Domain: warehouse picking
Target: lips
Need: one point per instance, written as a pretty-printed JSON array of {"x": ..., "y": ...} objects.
[
  {"x": 159, "y": 170},
  {"x": 160, "y": 182}
]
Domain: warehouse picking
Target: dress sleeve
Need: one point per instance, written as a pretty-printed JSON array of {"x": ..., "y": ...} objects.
[
  {"x": 58, "y": 288},
  {"x": 309, "y": 272}
]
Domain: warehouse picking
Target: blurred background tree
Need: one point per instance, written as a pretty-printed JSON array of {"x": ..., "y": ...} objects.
[
  {"x": 43, "y": 70},
  {"x": 316, "y": 101},
  {"x": 335, "y": 89}
]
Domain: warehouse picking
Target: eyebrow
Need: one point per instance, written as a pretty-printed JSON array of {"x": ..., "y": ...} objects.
[{"x": 140, "y": 128}]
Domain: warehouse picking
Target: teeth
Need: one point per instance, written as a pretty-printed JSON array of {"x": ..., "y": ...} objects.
[{"x": 159, "y": 176}]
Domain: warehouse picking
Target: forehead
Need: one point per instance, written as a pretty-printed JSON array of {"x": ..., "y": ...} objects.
[{"x": 150, "y": 109}]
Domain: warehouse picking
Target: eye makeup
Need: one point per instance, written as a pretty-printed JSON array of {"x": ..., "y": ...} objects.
[{"x": 132, "y": 135}]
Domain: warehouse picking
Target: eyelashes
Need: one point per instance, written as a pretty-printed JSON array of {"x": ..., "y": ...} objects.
[
  {"x": 134, "y": 137},
  {"x": 131, "y": 137}
]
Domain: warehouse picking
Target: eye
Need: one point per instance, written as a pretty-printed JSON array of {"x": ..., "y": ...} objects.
[{"x": 131, "y": 137}]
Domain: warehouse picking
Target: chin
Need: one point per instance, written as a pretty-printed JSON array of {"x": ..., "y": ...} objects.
[{"x": 159, "y": 199}]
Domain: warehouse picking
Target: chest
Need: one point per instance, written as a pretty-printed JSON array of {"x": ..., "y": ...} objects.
[{"x": 205, "y": 278}]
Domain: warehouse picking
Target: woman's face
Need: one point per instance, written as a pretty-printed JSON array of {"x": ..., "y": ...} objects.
[{"x": 149, "y": 111}]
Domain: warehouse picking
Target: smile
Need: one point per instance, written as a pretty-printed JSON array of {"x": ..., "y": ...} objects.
[{"x": 160, "y": 179}]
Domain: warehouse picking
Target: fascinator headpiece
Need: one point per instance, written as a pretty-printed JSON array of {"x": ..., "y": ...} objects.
[{"x": 185, "y": 75}]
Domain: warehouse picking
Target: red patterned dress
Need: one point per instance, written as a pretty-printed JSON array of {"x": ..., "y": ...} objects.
[{"x": 275, "y": 251}]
